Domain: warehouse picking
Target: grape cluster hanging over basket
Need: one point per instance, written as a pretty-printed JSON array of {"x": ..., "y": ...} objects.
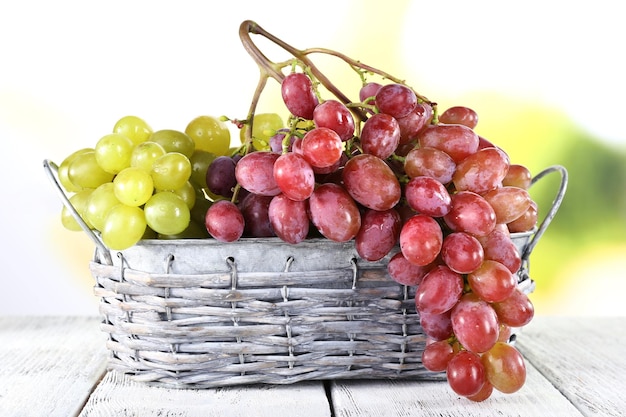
[{"x": 368, "y": 238}]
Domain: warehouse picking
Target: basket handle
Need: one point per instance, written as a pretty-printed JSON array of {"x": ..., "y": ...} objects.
[
  {"x": 556, "y": 203},
  {"x": 52, "y": 170}
]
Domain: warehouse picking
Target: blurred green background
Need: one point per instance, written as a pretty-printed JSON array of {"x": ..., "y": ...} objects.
[{"x": 546, "y": 79}]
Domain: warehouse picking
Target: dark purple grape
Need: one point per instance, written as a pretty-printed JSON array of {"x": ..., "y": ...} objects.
[
  {"x": 255, "y": 211},
  {"x": 220, "y": 176}
]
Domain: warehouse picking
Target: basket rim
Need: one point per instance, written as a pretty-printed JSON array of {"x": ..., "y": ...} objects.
[{"x": 269, "y": 240}]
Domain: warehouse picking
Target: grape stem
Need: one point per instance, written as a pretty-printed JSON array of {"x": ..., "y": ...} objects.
[{"x": 271, "y": 69}]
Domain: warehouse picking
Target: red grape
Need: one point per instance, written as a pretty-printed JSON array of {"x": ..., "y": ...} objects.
[
  {"x": 371, "y": 182},
  {"x": 482, "y": 171},
  {"x": 436, "y": 355},
  {"x": 413, "y": 123},
  {"x": 492, "y": 281},
  {"x": 369, "y": 90},
  {"x": 509, "y": 203},
  {"x": 526, "y": 221},
  {"x": 224, "y": 221},
  {"x": 404, "y": 272},
  {"x": 517, "y": 176},
  {"x": 515, "y": 311},
  {"x": 462, "y": 252},
  {"x": 466, "y": 373},
  {"x": 428, "y": 196},
  {"x": 420, "y": 239},
  {"x": 470, "y": 213},
  {"x": 458, "y": 141},
  {"x": 484, "y": 393},
  {"x": 321, "y": 147},
  {"x": 378, "y": 234},
  {"x": 380, "y": 135},
  {"x": 298, "y": 95},
  {"x": 276, "y": 141},
  {"x": 505, "y": 333},
  {"x": 498, "y": 246},
  {"x": 294, "y": 176},
  {"x": 436, "y": 326},
  {"x": 429, "y": 162},
  {"x": 289, "y": 218},
  {"x": 475, "y": 323},
  {"x": 396, "y": 100},
  {"x": 334, "y": 213},
  {"x": 335, "y": 116},
  {"x": 504, "y": 368},
  {"x": 255, "y": 173},
  {"x": 439, "y": 291},
  {"x": 459, "y": 115}
]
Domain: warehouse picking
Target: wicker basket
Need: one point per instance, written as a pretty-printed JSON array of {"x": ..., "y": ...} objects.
[{"x": 200, "y": 313}]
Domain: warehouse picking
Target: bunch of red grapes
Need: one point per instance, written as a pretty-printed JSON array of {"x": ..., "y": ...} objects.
[{"x": 402, "y": 176}]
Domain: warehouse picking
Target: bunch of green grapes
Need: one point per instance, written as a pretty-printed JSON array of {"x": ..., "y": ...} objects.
[{"x": 136, "y": 183}]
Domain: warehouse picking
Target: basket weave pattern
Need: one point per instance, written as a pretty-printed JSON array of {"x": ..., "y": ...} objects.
[{"x": 204, "y": 314}]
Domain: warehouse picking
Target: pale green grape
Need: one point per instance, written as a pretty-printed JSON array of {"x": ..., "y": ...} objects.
[
  {"x": 188, "y": 193},
  {"x": 200, "y": 161},
  {"x": 63, "y": 171},
  {"x": 113, "y": 152},
  {"x": 264, "y": 126},
  {"x": 145, "y": 154},
  {"x": 166, "y": 213},
  {"x": 174, "y": 141},
  {"x": 79, "y": 202},
  {"x": 134, "y": 128},
  {"x": 171, "y": 171},
  {"x": 209, "y": 134},
  {"x": 85, "y": 172},
  {"x": 101, "y": 200},
  {"x": 123, "y": 227},
  {"x": 133, "y": 186}
]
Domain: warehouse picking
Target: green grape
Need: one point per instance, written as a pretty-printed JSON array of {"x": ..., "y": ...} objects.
[
  {"x": 200, "y": 161},
  {"x": 134, "y": 128},
  {"x": 133, "y": 186},
  {"x": 113, "y": 152},
  {"x": 171, "y": 171},
  {"x": 85, "y": 172},
  {"x": 63, "y": 171},
  {"x": 195, "y": 230},
  {"x": 209, "y": 134},
  {"x": 188, "y": 193},
  {"x": 79, "y": 202},
  {"x": 166, "y": 213},
  {"x": 101, "y": 200},
  {"x": 149, "y": 234},
  {"x": 145, "y": 154},
  {"x": 174, "y": 141},
  {"x": 123, "y": 227},
  {"x": 198, "y": 212},
  {"x": 264, "y": 126}
]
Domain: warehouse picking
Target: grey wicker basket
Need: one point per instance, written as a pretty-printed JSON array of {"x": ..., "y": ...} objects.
[{"x": 199, "y": 313}]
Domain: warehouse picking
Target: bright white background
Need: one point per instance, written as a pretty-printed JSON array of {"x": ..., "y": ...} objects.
[{"x": 70, "y": 69}]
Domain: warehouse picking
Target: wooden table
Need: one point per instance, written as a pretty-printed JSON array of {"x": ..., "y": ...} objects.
[{"x": 56, "y": 366}]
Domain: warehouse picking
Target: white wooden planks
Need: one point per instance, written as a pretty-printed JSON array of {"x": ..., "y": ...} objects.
[
  {"x": 119, "y": 396},
  {"x": 585, "y": 358},
  {"x": 49, "y": 364},
  {"x": 412, "y": 398}
]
